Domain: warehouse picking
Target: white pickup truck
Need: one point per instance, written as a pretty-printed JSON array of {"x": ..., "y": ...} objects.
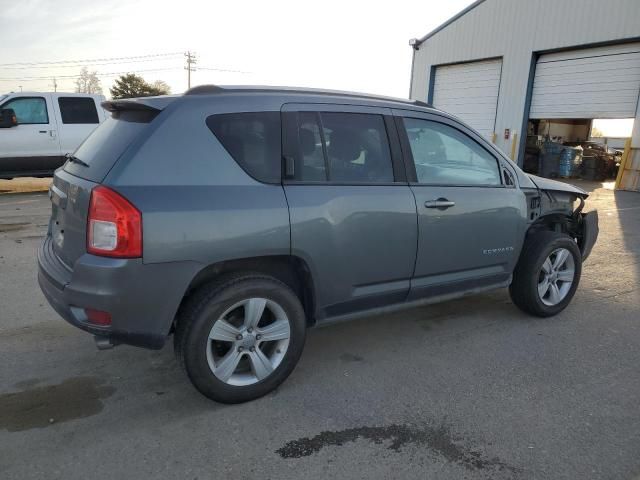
[{"x": 37, "y": 129}]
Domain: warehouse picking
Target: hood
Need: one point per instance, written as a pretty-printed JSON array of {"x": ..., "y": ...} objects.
[{"x": 548, "y": 184}]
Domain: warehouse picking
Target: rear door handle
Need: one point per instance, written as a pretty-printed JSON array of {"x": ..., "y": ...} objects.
[{"x": 441, "y": 203}]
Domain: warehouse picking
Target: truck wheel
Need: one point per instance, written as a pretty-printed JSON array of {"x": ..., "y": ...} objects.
[
  {"x": 240, "y": 338},
  {"x": 547, "y": 274}
]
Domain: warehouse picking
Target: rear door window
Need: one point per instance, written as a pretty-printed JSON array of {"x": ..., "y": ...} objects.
[
  {"x": 312, "y": 165},
  {"x": 341, "y": 147},
  {"x": 74, "y": 110},
  {"x": 253, "y": 139}
]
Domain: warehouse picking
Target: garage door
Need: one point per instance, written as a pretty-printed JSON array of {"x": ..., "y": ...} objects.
[
  {"x": 469, "y": 91},
  {"x": 594, "y": 83}
]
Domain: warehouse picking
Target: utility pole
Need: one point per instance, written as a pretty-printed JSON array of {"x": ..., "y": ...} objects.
[
  {"x": 191, "y": 60},
  {"x": 55, "y": 85},
  {"x": 20, "y": 87}
]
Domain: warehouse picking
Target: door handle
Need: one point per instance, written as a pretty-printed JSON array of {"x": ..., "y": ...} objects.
[{"x": 440, "y": 203}]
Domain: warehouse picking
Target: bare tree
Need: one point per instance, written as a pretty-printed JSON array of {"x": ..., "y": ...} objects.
[
  {"x": 88, "y": 82},
  {"x": 161, "y": 87}
]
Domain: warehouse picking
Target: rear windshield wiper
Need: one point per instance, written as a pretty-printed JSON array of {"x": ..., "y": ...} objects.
[{"x": 74, "y": 159}]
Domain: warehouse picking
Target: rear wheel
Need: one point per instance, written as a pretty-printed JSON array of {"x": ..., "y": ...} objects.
[
  {"x": 547, "y": 274},
  {"x": 240, "y": 338}
]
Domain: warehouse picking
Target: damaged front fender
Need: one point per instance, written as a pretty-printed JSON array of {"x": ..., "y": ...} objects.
[{"x": 552, "y": 207}]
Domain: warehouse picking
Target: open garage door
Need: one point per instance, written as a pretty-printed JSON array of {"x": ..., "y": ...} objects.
[
  {"x": 601, "y": 82},
  {"x": 470, "y": 92}
]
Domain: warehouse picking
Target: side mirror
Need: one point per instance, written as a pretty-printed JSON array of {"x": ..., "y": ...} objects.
[{"x": 8, "y": 118}]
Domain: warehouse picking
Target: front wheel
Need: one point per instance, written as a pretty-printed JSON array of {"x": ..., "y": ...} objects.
[
  {"x": 547, "y": 274},
  {"x": 240, "y": 338}
]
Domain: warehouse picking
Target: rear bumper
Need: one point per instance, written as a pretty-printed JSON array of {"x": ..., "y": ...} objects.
[
  {"x": 142, "y": 299},
  {"x": 590, "y": 232}
]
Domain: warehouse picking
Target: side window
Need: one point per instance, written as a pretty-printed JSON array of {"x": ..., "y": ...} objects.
[
  {"x": 445, "y": 156},
  {"x": 311, "y": 166},
  {"x": 29, "y": 110},
  {"x": 343, "y": 148},
  {"x": 78, "y": 110},
  {"x": 253, "y": 140}
]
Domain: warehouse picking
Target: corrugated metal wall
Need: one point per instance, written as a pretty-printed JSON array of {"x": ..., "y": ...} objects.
[{"x": 513, "y": 30}]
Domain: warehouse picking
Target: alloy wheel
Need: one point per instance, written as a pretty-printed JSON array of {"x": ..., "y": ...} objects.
[
  {"x": 556, "y": 276},
  {"x": 248, "y": 341}
]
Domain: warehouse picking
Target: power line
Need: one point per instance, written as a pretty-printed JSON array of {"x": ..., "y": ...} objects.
[
  {"x": 58, "y": 62},
  {"x": 110, "y": 74},
  {"x": 222, "y": 70},
  {"x": 88, "y": 64}
]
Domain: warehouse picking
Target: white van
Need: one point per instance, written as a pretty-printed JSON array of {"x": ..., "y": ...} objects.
[{"x": 37, "y": 129}]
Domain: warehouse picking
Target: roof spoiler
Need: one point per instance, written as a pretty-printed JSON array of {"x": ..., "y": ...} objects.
[{"x": 121, "y": 105}]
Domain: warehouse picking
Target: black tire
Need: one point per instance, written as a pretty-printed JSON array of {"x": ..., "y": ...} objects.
[
  {"x": 524, "y": 287},
  {"x": 202, "y": 310}
]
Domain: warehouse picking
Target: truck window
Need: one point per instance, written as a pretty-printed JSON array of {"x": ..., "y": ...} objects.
[
  {"x": 29, "y": 110},
  {"x": 75, "y": 110}
]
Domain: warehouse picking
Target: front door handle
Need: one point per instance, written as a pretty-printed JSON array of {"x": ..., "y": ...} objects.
[{"x": 441, "y": 203}]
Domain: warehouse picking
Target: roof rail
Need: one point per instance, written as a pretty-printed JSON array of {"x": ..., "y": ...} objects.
[{"x": 214, "y": 89}]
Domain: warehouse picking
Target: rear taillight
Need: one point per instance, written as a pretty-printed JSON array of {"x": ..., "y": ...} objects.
[{"x": 114, "y": 225}]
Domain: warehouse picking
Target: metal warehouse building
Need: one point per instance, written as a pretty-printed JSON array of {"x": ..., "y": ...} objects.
[{"x": 516, "y": 69}]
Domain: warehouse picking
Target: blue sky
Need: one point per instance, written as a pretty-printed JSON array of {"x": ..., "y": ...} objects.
[{"x": 360, "y": 46}]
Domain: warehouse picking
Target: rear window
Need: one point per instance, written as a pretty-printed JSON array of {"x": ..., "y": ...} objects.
[
  {"x": 78, "y": 110},
  {"x": 253, "y": 140},
  {"x": 108, "y": 142}
]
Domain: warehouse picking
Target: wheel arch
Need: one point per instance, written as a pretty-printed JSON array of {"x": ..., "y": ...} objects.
[
  {"x": 291, "y": 270},
  {"x": 554, "y": 222}
]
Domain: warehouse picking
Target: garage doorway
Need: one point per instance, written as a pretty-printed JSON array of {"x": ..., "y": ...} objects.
[
  {"x": 570, "y": 90},
  {"x": 574, "y": 148}
]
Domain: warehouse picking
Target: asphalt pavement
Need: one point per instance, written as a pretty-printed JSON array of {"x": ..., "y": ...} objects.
[{"x": 469, "y": 389}]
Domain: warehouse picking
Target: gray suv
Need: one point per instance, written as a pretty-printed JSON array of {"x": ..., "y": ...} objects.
[{"x": 235, "y": 218}]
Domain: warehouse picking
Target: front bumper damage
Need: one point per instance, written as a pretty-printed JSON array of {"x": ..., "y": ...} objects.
[{"x": 589, "y": 232}]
